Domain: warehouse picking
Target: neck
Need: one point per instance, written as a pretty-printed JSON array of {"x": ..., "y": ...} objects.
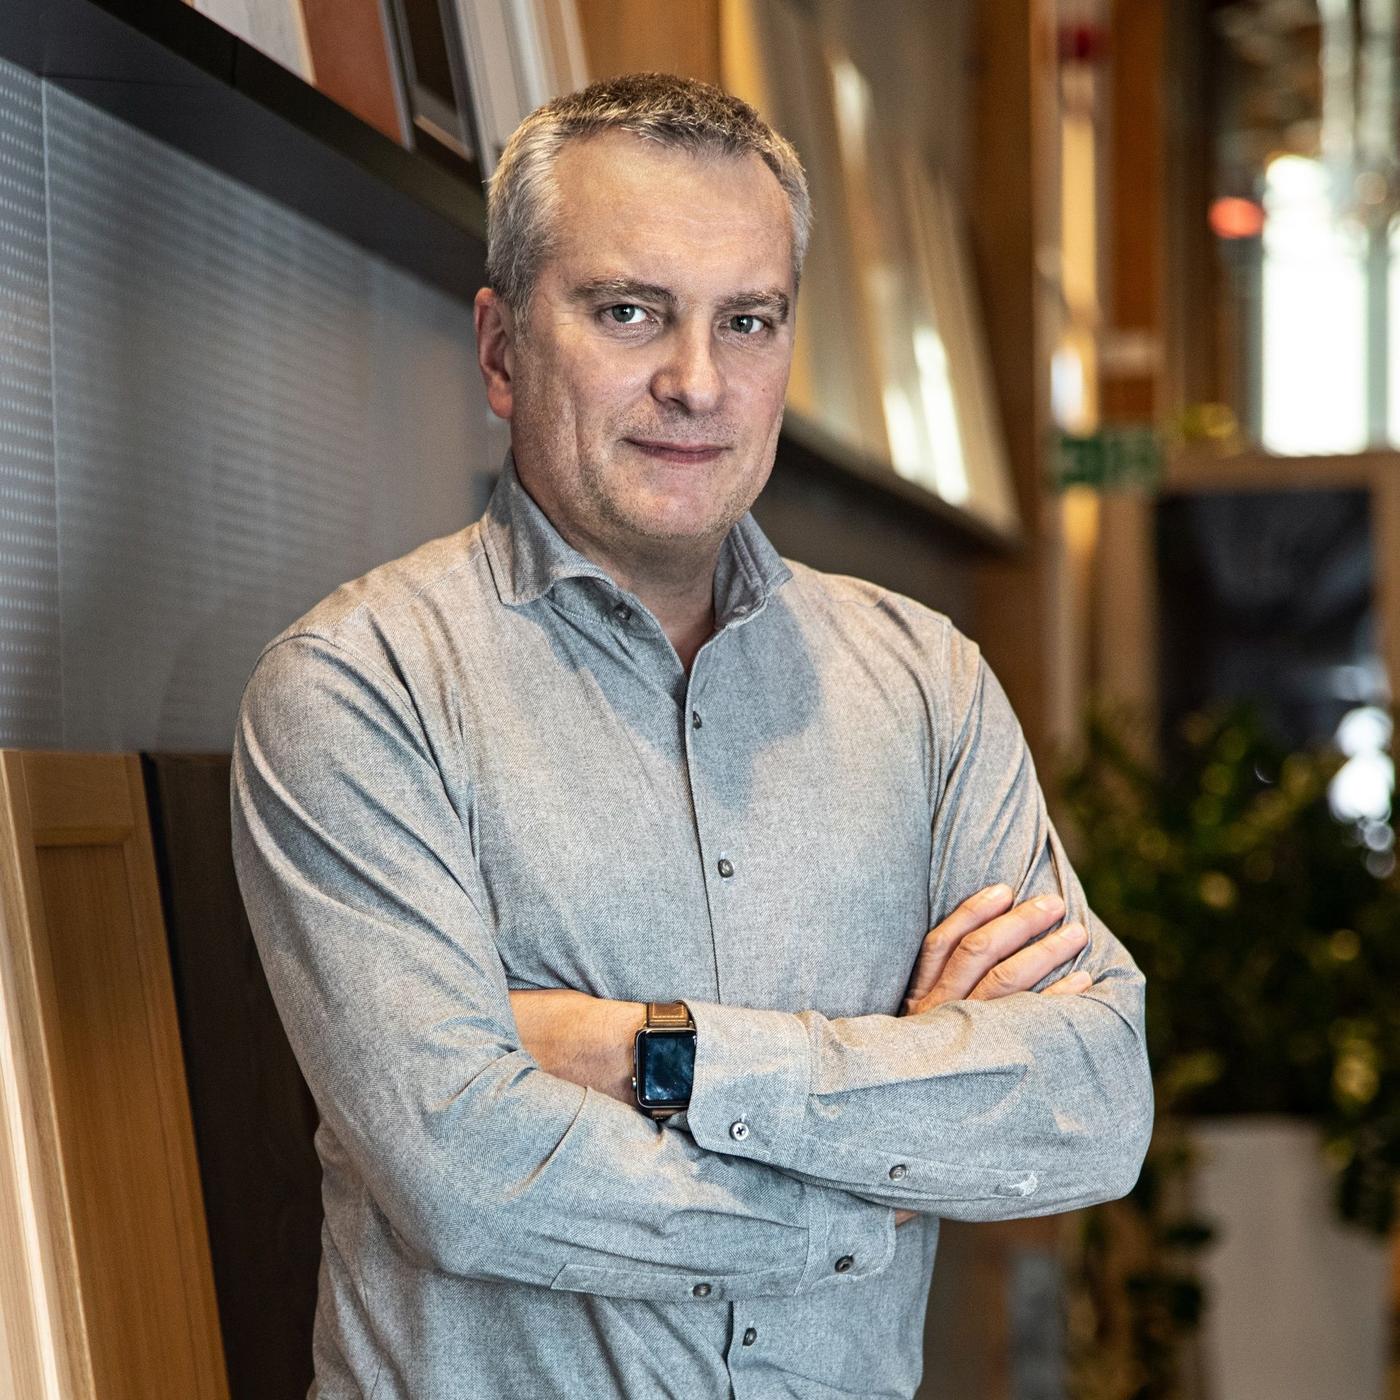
[{"x": 679, "y": 591}]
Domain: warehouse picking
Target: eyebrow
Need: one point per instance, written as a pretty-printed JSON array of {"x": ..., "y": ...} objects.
[
  {"x": 623, "y": 289},
  {"x": 772, "y": 302}
]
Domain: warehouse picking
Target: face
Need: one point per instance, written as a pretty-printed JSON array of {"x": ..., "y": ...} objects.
[{"x": 645, "y": 389}]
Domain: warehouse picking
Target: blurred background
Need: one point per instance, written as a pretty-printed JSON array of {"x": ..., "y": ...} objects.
[{"x": 1099, "y": 354}]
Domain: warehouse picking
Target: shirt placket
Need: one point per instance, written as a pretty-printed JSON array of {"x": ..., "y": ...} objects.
[{"x": 721, "y": 842}]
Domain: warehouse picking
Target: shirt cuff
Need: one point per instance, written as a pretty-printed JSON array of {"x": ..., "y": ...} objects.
[
  {"x": 749, "y": 1099},
  {"x": 753, "y": 1072}
]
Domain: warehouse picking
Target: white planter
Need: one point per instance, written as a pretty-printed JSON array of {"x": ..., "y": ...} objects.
[{"x": 1297, "y": 1303}]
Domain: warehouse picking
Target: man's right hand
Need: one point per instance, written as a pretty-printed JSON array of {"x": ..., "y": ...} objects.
[{"x": 980, "y": 951}]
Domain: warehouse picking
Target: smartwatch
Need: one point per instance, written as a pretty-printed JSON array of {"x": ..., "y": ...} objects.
[{"x": 664, "y": 1060}]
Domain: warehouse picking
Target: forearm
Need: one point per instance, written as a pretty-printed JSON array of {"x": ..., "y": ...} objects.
[
  {"x": 979, "y": 1108},
  {"x": 585, "y": 1039},
  {"x": 956, "y": 1112},
  {"x": 588, "y": 1041},
  {"x": 976, "y": 1110}
]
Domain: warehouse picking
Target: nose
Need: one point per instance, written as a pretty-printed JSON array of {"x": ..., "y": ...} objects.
[{"x": 688, "y": 376}]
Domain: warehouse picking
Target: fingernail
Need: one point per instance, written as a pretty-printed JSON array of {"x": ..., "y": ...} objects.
[
  {"x": 1047, "y": 902},
  {"x": 993, "y": 893},
  {"x": 1073, "y": 932},
  {"x": 1081, "y": 980}
]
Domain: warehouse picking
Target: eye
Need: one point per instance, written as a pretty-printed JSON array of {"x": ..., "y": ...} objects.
[
  {"x": 747, "y": 324},
  {"x": 625, "y": 314}
]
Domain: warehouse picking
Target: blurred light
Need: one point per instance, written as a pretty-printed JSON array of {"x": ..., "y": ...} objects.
[
  {"x": 1231, "y": 217},
  {"x": 1313, "y": 316},
  {"x": 853, "y": 102},
  {"x": 941, "y": 416},
  {"x": 1366, "y": 730},
  {"x": 1362, "y": 787},
  {"x": 906, "y": 441},
  {"x": 1067, "y": 388}
]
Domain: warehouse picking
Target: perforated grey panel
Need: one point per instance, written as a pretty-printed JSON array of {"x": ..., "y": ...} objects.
[
  {"x": 248, "y": 410},
  {"x": 30, "y": 677}
]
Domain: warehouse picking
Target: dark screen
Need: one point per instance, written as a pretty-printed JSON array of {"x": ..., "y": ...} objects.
[{"x": 668, "y": 1067}]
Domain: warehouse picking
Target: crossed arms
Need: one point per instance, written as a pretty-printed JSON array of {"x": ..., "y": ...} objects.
[{"x": 360, "y": 890}]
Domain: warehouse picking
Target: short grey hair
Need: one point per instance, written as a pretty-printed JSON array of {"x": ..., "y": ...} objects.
[{"x": 523, "y": 195}]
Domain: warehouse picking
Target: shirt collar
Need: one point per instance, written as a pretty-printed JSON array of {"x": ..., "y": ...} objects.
[{"x": 528, "y": 556}]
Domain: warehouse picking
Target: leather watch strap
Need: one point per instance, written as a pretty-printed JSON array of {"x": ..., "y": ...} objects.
[{"x": 669, "y": 1015}]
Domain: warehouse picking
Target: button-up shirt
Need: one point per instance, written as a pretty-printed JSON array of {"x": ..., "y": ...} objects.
[{"x": 483, "y": 767}]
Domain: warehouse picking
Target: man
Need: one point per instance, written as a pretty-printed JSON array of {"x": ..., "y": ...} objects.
[{"x": 605, "y": 748}]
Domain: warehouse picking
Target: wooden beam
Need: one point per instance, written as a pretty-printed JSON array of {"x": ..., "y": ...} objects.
[
  {"x": 1196, "y": 470},
  {"x": 1011, "y": 204}
]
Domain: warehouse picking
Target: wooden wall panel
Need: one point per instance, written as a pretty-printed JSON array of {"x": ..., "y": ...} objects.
[
  {"x": 103, "y": 1195},
  {"x": 350, "y": 57}
]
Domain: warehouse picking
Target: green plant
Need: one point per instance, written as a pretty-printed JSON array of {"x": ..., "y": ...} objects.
[
  {"x": 1272, "y": 952},
  {"x": 1272, "y": 957}
]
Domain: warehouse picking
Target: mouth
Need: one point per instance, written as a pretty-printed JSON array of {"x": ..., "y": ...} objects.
[{"x": 683, "y": 454}]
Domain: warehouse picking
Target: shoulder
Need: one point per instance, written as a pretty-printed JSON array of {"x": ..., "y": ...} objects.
[
  {"x": 883, "y": 623},
  {"x": 382, "y": 623},
  {"x": 396, "y": 591}
]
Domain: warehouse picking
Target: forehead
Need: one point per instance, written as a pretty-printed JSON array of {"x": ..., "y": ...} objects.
[{"x": 628, "y": 206}]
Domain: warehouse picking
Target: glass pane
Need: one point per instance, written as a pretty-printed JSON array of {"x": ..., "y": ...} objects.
[{"x": 1303, "y": 112}]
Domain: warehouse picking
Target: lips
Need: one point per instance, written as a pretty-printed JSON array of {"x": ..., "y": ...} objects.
[{"x": 679, "y": 452}]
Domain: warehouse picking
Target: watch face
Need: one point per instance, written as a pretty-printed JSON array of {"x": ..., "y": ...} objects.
[{"x": 665, "y": 1068}]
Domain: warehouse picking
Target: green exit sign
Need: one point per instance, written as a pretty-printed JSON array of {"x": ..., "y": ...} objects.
[{"x": 1122, "y": 455}]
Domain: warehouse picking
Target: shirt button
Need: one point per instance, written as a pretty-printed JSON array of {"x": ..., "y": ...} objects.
[
  {"x": 725, "y": 867},
  {"x": 622, "y": 613},
  {"x": 898, "y": 1172},
  {"x": 750, "y": 1336},
  {"x": 845, "y": 1264},
  {"x": 701, "y": 1290},
  {"x": 695, "y": 720},
  {"x": 739, "y": 1131}
]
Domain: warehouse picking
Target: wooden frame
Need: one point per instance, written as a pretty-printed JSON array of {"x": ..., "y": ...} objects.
[{"x": 105, "y": 1283}]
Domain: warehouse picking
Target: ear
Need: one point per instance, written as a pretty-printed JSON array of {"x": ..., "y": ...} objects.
[{"x": 495, "y": 350}]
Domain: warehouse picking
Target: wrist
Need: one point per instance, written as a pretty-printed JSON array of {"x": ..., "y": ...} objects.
[{"x": 626, "y": 1018}]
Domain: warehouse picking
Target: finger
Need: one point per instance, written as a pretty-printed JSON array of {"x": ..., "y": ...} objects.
[
  {"x": 1069, "y": 986},
  {"x": 1021, "y": 971},
  {"x": 987, "y": 947},
  {"x": 940, "y": 940}
]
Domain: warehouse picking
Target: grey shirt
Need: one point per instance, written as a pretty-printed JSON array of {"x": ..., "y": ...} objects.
[{"x": 482, "y": 767}]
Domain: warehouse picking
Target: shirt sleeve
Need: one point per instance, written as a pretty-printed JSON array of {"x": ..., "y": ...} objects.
[
  {"x": 977, "y": 1110},
  {"x": 358, "y": 879}
]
